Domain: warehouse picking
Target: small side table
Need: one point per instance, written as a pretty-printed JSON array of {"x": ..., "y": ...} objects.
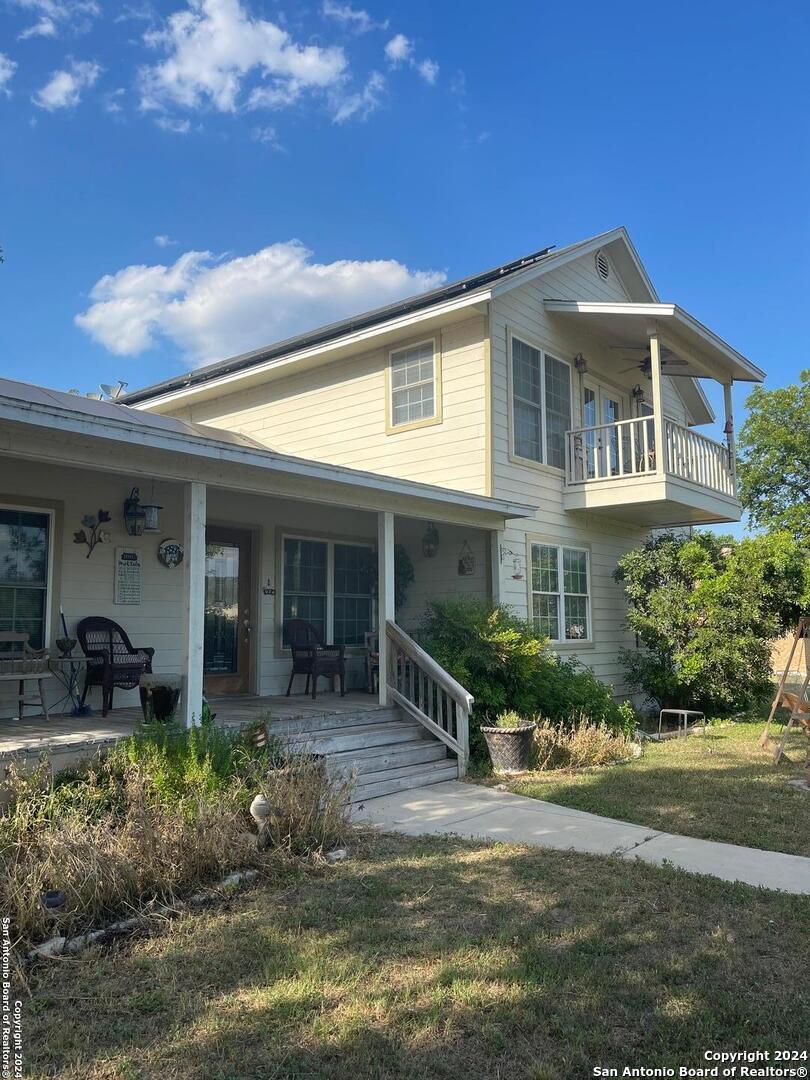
[
  {"x": 67, "y": 670},
  {"x": 159, "y": 696},
  {"x": 683, "y": 717}
]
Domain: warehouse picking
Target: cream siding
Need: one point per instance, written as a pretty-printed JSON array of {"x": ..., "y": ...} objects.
[
  {"x": 521, "y": 312},
  {"x": 338, "y": 413}
]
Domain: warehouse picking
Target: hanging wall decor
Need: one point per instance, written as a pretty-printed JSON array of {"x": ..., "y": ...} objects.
[
  {"x": 170, "y": 553},
  {"x": 466, "y": 561},
  {"x": 95, "y": 535}
]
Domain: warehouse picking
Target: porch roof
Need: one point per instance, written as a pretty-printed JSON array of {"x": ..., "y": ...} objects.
[
  {"x": 50, "y": 425},
  {"x": 701, "y": 352}
]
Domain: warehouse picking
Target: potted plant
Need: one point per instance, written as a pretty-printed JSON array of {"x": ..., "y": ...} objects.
[{"x": 510, "y": 742}]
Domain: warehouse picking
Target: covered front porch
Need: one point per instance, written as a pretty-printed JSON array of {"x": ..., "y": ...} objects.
[{"x": 255, "y": 539}]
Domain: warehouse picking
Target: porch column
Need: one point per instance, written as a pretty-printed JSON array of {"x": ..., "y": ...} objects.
[
  {"x": 658, "y": 403},
  {"x": 193, "y": 601},
  {"x": 495, "y": 541},
  {"x": 729, "y": 430},
  {"x": 385, "y": 591}
]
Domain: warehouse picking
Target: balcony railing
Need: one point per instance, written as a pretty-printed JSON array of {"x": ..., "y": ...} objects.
[{"x": 627, "y": 449}]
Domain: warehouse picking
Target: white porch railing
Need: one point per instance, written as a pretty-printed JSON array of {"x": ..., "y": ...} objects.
[
  {"x": 692, "y": 456},
  {"x": 428, "y": 693},
  {"x": 627, "y": 449}
]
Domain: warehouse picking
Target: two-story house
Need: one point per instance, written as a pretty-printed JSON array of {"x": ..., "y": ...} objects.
[{"x": 511, "y": 435}]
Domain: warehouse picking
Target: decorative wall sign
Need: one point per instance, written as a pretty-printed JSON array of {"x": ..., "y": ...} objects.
[
  {"x": 466, "y": 561},
  {"x": 170, "y": 553},
  {"x": 128, "y": 576}
]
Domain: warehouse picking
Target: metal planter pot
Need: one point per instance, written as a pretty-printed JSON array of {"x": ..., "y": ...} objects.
[{"x": 510, "y": 748}]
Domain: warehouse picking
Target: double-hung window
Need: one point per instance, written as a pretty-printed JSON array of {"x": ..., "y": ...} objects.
[
  {"x": 561, "y": 592},
  {"x": 331, "y": 585},
  {"x": 541, "y": 404},
  {"x": 413, "y": 384},
  {"x": 25, "y": 542}
]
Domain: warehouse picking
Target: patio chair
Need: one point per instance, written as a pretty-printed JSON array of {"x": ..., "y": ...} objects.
[
  {"x": 112, "y": 660},
  {"x": 312, "y": 657},
  {"x": 21, "y": 664}
]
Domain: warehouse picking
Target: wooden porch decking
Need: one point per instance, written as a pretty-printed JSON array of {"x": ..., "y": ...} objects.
[{"x": 33, "y": 735}]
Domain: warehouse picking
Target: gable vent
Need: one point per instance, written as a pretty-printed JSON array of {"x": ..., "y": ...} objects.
[{"x": 602, "y": 265}]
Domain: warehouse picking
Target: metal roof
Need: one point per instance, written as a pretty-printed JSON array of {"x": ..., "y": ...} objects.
[{"x": 324, "y": 334}]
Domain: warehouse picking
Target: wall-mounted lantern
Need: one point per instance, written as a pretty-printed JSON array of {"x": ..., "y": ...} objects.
[
  {"x": 140, "y": 517},
  {"x": 430, "y": 541},
  {"x": 580, "y": 364},
  {"x": 134, "y": 514},
  {"x": 638, "y": 395}
]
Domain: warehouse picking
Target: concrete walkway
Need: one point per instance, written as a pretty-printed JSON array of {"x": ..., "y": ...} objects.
[{"x": 469, "y": 810}]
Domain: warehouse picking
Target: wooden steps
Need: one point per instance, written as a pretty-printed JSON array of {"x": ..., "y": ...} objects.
[{"x": 385, "y": 750}]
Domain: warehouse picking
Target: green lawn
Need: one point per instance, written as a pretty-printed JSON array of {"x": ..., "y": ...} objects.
[
  {"x": 430, "y": 959},
  {"x": 723, "y": 786}
]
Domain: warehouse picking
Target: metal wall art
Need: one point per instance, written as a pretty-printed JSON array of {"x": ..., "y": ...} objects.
[
  {"x": 170, "y": 553},
  {"x": 92, "y": 533}
]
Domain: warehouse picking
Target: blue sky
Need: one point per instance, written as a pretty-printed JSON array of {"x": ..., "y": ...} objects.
[{"x": 184, "y": 180}]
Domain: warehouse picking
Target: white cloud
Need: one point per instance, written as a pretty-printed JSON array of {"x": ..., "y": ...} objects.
[
  {"x": 354, "y": 19},
  {"x": 164, "y": 241},
  {"x": 360, "y": 105},
  {"x": 112, "y": 101},
  {"x": 173, "y": 124},
  {"x": 429, "y": 70},
  {"x": 57, "y": 15},
  {"x": 46, "y": 27},
  {"x": 399, "y": 49},
  {"x": 267, "y": 136},
  {"x": 64, "y": 88},
  {"x": 212, "y": 308},
  {"x": 211, "y": 46},
  {"x": 7, "y": 69}
]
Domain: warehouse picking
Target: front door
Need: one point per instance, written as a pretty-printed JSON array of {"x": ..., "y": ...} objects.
[{"x": 227, "y": 627}]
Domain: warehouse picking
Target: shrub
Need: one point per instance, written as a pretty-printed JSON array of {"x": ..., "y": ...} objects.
[
  {"x": 577, "y": 745},
  {"x": 507, "y": 665}
]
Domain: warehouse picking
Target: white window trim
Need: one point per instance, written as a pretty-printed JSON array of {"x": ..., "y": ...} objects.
[
  {"x": 526, "y": 339},
  {"x": 330, "y": 542},
  {"x": 390, "y": 427},
  {"x": 541, "y": 541},
  {"x": 28, "y": 508}
]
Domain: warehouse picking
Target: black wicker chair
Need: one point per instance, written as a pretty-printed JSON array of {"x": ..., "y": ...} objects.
[
  {"x": 312, "y": 657},
  {"x": 112, "y": 660}
]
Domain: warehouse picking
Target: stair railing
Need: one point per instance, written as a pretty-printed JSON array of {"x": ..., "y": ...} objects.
[{"x": 428, "y": 693}]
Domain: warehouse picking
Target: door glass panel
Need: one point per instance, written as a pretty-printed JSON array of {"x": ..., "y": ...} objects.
[
  {"x": 221, "y": 627},
  {"x": 590, "y": 418},
  {"x": 611, "y": 414}
]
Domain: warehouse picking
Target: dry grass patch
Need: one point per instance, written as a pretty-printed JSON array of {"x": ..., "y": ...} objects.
[{"x": 434, "y": 959}]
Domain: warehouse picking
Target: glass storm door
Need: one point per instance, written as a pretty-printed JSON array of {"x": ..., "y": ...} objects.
[
  {"x": 601, "y": 405},
  {"x": 227, "y": 620}
]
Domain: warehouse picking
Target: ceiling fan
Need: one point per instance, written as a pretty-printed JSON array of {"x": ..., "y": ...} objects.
[{"x": 645, "y": 365}]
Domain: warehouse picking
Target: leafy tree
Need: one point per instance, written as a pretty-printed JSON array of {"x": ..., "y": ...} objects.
[
  {"x": 704, "y": 610},
  {"x": 774, "y": 465}
]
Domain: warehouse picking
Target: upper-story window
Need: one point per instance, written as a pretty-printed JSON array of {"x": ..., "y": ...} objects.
[
  {"x": 541, "y": 404},
  {"x": 414, "y": 384}
]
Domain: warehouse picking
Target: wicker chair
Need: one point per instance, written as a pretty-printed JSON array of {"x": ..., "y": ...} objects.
[
  {"x": 312, "y": 657},
  {"x": 112, "y": 660}
]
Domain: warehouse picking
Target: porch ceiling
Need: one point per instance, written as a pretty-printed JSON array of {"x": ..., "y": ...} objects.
[{"x": 623, "y": 325}]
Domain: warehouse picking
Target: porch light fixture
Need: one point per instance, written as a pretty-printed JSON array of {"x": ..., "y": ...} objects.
[
  {"x": 638, "y": 394},
  {"x": 580, "y": 363},
  {"x": 430, "y": 541},
  {"x": 134, "y": 514}
]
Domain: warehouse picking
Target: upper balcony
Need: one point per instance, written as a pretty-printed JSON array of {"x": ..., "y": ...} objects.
[
  {"x": 616, "y": 468},
  {"x": 651, "y": 469}
]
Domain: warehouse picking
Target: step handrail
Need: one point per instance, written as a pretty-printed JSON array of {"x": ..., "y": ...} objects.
[{"x": 428, "y": 693}]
